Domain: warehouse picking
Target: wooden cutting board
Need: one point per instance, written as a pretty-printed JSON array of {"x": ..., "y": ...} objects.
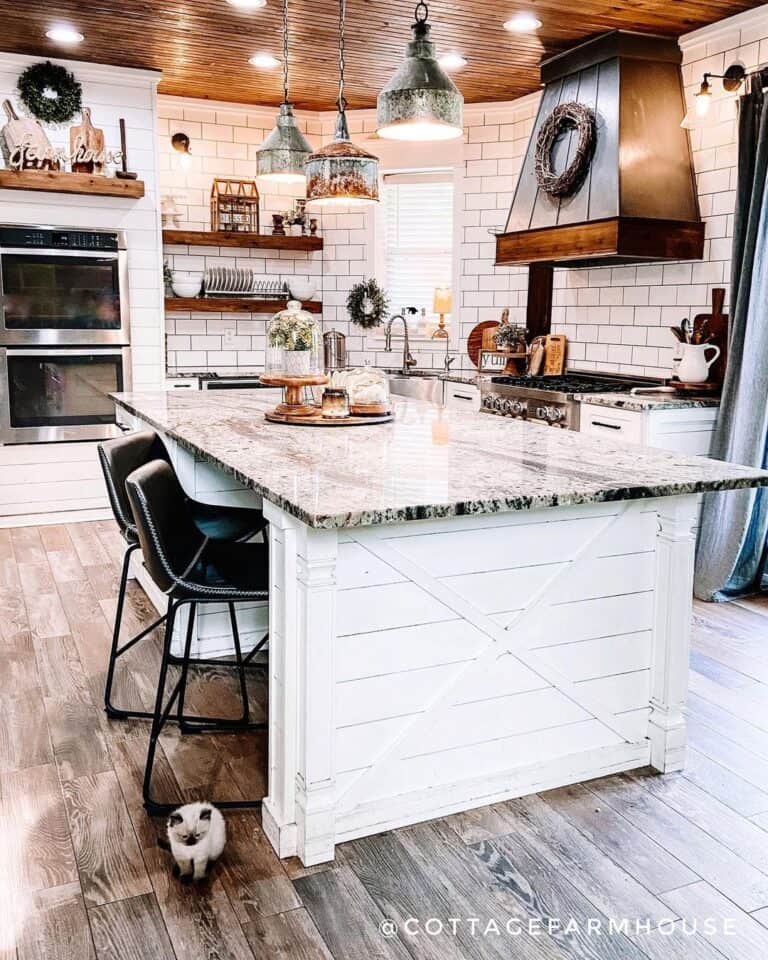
[
  {"x": 481, "y": 338},
  {"x": 89, "y": 138},
  {"x": 717, "y": 327},
  {"x": 554, "y": 354},
  {"x": 17, "y": 131}
]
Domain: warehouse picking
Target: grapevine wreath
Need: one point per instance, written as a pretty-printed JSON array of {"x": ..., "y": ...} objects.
[
  {"x": 50, "y": 92},
  {"x": 564, "y": 117},
  {"x": 367, "y": 304}
]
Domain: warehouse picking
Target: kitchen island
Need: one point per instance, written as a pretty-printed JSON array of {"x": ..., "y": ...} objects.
[{"x": 463, "y": 608}]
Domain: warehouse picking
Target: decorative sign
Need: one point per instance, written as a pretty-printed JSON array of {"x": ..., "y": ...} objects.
[
  {"x": 26, "y": 154},
  {"x": 492, "y": 362}
]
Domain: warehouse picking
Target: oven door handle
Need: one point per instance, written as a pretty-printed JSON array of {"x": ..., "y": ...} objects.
[
  {"x": 80, "y": 351},
  {"x": 50, "y": 252}
]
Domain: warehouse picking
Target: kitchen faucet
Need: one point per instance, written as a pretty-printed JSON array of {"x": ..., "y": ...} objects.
[
  {"x": 408, "y": 360},
  {"x": 447, "y": 359}
]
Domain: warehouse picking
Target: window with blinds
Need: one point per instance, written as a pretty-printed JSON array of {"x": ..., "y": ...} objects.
[{"x": 418, "y": 222}]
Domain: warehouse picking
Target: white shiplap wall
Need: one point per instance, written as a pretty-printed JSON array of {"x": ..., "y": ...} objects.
[
  {"x": 29, "y": 488},
  {"x": 111, "y": 92}
]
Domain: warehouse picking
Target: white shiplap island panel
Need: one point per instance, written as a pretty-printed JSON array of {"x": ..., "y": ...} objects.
[{"x": 424, "y": 666}]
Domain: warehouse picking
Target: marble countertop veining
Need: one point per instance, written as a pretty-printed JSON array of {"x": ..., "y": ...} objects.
[
  {"x": 647, "y": 401},
  {"x": 430, "y": 462}
]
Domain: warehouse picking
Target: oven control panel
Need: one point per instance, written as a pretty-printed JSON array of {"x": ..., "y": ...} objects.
[{"x": 38, "y": 238}]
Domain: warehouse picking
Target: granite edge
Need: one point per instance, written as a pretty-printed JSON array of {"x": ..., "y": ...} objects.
[{"x": 439, "y": 511}]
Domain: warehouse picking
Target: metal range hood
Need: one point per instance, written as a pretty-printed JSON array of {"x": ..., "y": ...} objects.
[{"x": 638, "y": 201}]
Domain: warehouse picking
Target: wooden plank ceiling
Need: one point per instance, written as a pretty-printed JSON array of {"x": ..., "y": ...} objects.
[{"x": 202, "y": 46}]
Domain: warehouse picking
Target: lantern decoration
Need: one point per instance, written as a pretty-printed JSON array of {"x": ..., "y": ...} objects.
[{"x": 235, "y": 206}]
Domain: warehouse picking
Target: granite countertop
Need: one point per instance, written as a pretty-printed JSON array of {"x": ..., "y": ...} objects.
[
  {"x": 430, "y": 462},
  {"x": 186, "y": 373},
  {"x": 647, "y": 401}
]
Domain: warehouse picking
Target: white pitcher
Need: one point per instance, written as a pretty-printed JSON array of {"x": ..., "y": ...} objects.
[{"x": 694, "y": 366}]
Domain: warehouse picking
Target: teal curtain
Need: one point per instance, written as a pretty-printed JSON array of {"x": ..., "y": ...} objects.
[{"x": 731, "y": 554}]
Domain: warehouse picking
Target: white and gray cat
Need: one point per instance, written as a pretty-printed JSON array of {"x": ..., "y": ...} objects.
[{"x": 196, "y": 836}]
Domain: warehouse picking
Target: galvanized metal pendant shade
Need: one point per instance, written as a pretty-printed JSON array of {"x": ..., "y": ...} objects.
[
  {"x": 420, "y": 102},
  {"x": 282, "y": 156},
  {"x": 341, "y": 173}
]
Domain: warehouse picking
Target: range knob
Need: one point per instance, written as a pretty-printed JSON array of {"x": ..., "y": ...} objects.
[
  {"x": 488, "y": 401},
  {"x": 498, "y": 404},
  {"x": 518, "y": 408}
]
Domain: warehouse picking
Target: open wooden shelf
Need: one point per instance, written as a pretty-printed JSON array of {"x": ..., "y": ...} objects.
[
  {"x": 53, "y": 181},
  {"x": 223, "y": 238},
  {"x": 234, "y": 305}
]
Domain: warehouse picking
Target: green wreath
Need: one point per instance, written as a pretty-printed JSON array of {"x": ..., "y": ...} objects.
[
  {"x": 50, "y": 92},
  {"x": 367, "y": 304}
]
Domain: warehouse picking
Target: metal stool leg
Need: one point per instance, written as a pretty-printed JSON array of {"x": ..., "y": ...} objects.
[
  {"x": 160, "y": 717},
  {"x": 189, "y": 724},
  {"x": 185, "y": 663},
  {"x": 116, "y": 651}
]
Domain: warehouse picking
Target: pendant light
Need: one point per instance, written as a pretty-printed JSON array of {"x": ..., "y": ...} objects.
[
  {"x": 420, "y": 102},
  {"x": 341, "y": 173},
  {"x": 282, "y": 156}
]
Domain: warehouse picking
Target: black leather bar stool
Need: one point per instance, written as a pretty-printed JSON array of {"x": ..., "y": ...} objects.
[
  {"x": 191, "y": 569},
  {"x": 119, "y": 458}
]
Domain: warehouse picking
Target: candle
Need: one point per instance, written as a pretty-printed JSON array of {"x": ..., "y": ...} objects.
[{"x": 335, "y": 404}]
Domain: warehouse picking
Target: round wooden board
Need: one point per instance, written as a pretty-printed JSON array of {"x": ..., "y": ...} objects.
[
  {"x": 318, "y": 420},
  {"x": 284, "y": 380},
  {"x": 475, "y": 339}
]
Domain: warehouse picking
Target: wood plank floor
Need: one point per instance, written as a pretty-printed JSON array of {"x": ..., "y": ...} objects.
[{"x": 632, "y": 866}]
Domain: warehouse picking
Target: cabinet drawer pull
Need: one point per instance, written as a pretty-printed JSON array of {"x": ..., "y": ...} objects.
[
  {"x": 608, "y": 426},
  {"x": 462, "y": 396}
]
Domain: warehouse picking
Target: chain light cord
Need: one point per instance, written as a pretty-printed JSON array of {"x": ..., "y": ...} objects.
[
  {"x": 341, "y": 103},
  {"x": 285, "y": 51}
]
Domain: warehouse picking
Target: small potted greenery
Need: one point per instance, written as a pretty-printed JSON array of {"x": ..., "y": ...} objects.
[
  {"x": 510, "y": 338},
  {"x": 293, "y": 341}
]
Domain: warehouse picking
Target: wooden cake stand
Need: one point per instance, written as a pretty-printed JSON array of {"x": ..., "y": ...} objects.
[{"x": 293, "y": 405}]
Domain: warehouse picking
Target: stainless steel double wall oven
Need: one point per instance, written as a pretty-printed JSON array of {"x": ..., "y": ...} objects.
[{"x": 64, "y": 333}]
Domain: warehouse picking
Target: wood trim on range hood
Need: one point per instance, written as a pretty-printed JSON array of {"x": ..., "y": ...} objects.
[{"x": 638, "y": 202}]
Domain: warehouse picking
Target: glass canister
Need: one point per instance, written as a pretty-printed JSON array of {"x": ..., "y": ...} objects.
[{"x": 294, "y": 343}]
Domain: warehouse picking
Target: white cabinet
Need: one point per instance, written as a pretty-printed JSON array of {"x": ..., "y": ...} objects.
[
  {"x": 684, "y": 430},
  {"x": 465, "y": 396},
  {"x": 181, "y": 383}
]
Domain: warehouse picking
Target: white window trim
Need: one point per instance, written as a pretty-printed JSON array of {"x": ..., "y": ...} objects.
[{"x": 377, "y": 243}]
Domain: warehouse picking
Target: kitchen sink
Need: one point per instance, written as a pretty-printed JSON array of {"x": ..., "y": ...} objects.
[{"x": 427, "y": 387}]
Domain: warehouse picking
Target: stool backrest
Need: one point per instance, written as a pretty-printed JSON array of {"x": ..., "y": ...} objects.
[
  {"x": 170, "y": 540},
  {"x": 119, "y": 458}
]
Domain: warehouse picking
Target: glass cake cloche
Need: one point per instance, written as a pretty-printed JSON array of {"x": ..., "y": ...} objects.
[{"x": 294, "y": 343}]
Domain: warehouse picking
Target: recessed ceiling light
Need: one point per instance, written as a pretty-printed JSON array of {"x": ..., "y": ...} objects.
[
  {"x": 522, "y": 23},
  {"x": 264, "y": 61},
  {"x": 247, "y": 4},
  {"x": 63, "y": 33},
  {"x": 452, "y": 61}
]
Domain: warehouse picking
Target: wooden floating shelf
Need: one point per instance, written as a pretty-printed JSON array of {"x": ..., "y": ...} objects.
[
  {"x": 53, "y": 181},
  {"x": 224, "y": 238},
  {"x": 233, "y": 305}
]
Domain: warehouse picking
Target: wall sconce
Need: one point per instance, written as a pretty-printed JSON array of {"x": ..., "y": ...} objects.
[
  {"x": 733, "y": 79},
  {"x": 180, "y": 143}
]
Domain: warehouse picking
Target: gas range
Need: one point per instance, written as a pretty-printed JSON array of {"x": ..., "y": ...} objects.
[{"x": 550, "y": 400}]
